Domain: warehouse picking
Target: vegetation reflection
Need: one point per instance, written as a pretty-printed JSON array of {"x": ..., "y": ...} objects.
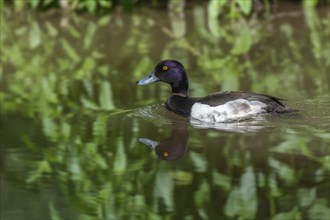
[{"x": 70, "y": 126}]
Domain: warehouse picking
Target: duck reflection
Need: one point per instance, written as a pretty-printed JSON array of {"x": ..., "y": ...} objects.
[
  {"x": 173, "y": 147},
  {"x": 255, "y": 125}
]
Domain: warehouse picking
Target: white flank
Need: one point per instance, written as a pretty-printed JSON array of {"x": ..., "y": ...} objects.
[{"x": 231, "y": 111}]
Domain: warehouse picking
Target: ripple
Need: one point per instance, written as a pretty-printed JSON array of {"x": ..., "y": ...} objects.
[{"x": 157, "y": 113}]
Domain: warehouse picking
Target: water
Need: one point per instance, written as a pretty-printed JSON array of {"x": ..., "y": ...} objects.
[{"x": 72, "y": 117}]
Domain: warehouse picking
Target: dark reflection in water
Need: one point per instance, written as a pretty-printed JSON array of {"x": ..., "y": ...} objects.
[{"x": 174, "y": 146}]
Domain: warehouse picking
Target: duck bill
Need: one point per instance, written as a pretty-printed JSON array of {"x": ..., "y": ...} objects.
[
  {"x": 152, "y": 144},
  {"x": 148, "y": 79}
]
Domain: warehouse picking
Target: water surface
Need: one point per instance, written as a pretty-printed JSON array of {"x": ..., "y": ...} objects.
[{"x": 72, "y": 116}]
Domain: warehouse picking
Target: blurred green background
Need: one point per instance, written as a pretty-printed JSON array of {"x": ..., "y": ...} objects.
[{"x": 71, "y": 113}]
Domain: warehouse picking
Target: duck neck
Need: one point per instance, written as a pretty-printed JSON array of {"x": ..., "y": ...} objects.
[{"x": 180, "y": 87}]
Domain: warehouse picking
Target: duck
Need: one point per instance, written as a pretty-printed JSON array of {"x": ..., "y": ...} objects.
[{"x": 219, "y": 107}]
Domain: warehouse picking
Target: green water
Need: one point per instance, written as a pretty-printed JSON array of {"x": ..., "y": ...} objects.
[{"x": 72, "y": 116}]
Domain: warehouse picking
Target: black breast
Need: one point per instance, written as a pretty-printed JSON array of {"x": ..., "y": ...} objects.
[{"x": 180, "y": 105}]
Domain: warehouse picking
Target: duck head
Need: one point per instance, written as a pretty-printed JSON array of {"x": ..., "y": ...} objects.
[{"x": 171, "y": 72}]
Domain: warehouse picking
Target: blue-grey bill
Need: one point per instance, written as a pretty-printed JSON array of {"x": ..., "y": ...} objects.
[
  {"x": 148, "y": 79},
  {"x": 152, "y": 144}
]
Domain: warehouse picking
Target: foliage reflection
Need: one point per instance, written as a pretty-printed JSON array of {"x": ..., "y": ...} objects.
[{"x": 69, "y": 148}]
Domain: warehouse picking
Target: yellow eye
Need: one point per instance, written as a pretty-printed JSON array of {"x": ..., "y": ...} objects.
[
  {"x": 165, "y": 67},
  {"x": 165, "y": 154}
]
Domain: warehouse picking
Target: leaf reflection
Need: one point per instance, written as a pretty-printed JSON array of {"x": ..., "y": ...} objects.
[{"x": 69, "y": 151}]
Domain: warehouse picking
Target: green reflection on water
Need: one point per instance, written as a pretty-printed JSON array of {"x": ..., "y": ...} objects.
[{"x": 70, "y": 129}]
